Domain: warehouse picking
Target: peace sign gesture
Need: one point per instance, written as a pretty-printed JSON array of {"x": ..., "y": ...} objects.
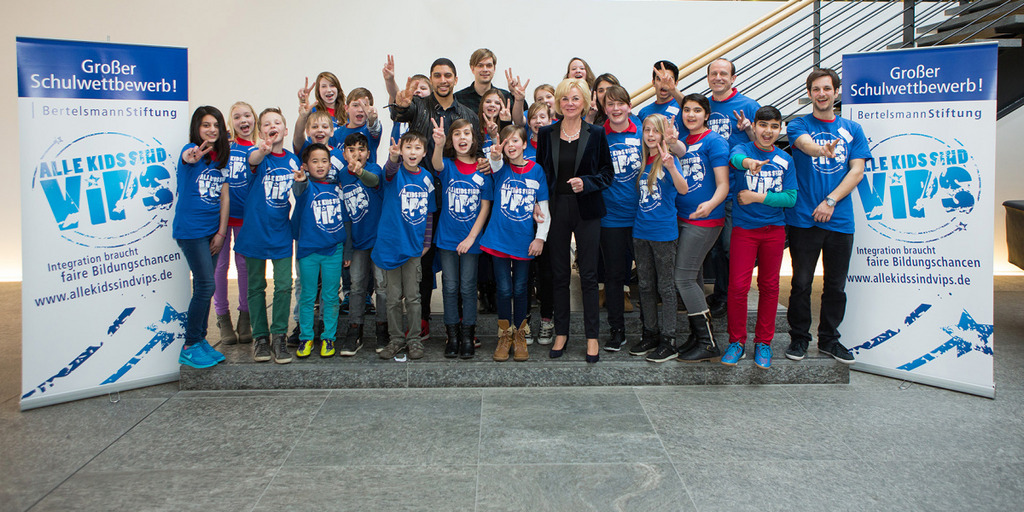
[
  {"x": 404, "y": 97},
  {"x": 664, "y": 75},
  {"x": 742, "y": 123},
  {"x": 300, "y": 173},
  {"x": 394, "y": 150},
  {"x": 438, "y": 134},
  {"x": 516, "y": 86},
  {"x": 666, "y": 156},
  {"x": 671, "y": 132},
  {"x": 498, "y": 148},
  {"x": 828, "y": 150},
  {"x": 304, "y": 104},
  {"x": 505, "y": 114},
  {"x": 196, "y": 152},
  {"x": 389, "y": 68},
  {"x": 369, "y": 110}
]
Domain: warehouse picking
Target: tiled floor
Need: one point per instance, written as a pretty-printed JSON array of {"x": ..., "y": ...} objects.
[{"x": 872, "y": 445}]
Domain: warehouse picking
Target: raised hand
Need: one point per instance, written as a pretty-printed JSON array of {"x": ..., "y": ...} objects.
[
  {"x": 371, "y": 112},
  {"x": 300, "y": 173},
  {"x": 438, "y": 134},
  {"x": 404, "y": 97},
  {"x": 663, "y": 74},
  {"x": 267, "y": 145},
  {"x": 195, "y": 153},
  {"x": 516, "y": 85},
  {"x": 394, "y": 150},
  {"x": 754, "y": 166},
  {"x": 304, "y": 104},
  {"x": 389, "y": 68},
  {"x": 491, "y": 126},
  {"x": 505, "y": 114},
  {"x": 666, "y": 156},
  {"x": 671, "y": 132},
  {"x": 355, "y": 167},
  {"x": 593, "y": 103},
  {"x": 742, "y": 123},
  {"x": 828, "y": 150},
  {"x": 497, "y": 148}
]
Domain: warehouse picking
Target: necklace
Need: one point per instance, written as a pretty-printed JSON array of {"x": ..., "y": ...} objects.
[{"x": 569, "y": 137}]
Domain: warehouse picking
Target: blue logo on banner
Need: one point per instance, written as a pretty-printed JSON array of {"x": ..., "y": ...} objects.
[
  {"x": 68, "y": 69},
  {"x": 958, "y": 73},
  {"x": 921, "y": 195},
  {"x": 106, "y": 189}
]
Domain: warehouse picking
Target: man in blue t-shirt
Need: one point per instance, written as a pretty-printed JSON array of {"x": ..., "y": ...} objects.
[
  {"x": 731, "y": 116},
  {"x": 829, "y": 153}
]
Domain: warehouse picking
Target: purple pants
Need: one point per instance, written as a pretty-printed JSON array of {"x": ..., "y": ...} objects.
[{"x": 220, "y": 277}]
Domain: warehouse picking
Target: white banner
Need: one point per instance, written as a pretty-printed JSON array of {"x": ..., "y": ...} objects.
[
  {"x": 105, "y": 288},
  {"x": 920, "y": 280}
]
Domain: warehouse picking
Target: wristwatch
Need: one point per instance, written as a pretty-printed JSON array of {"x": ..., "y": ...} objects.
[{"x": 830, "y": 202}]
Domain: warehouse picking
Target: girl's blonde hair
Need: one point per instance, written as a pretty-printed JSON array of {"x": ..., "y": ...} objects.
[
  {"x": 657, "y": 121},
  {"x": 231, "y": 127}
]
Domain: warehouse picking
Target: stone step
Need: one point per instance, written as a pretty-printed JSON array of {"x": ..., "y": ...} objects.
[{"x": 367, "y": 370}]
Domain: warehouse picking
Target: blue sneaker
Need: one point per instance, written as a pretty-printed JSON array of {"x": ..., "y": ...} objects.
[
  {"x": 196, "y": 357},
  {"x": 370, "y": 308},
  {"x": 212, "y": 352},
  {"x": 733, "y": 354},
  {"x": 343, "y": 306},
  {"x": 762, "y": 355}
]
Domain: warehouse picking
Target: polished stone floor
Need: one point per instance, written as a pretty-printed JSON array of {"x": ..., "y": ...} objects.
[{"x": 875, "y": 444}]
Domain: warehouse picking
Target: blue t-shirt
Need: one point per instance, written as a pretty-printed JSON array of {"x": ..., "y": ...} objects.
[
  {"x": 530, "y": 152},
  {"x": 510, "y": 229},
  {"x": 462, "y": 189},
  {"x": 723, "y": 121},
  {"x": 620, "y": 198},
  {"x": 318, "y": 223},
  {"x": 239, "y": 176},
  {"x": 656, "y": 213},
  {"x": 408, "y": 200},
  {"x": 340, "y": 134},
  {"x": 363, "y": 206},
  {"x": 775, "y": 176},
  {"x": 266, "y": 233},
  {"x": 708, "y": 151},
  {"x": 197, "y": 213},
  {"x": 817, "y": 177},
  {"x": 668, "y": 109}
]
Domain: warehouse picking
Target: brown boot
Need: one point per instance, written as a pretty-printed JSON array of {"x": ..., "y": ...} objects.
[
  {"x": 243, "y": 329},
  {"x": 504, "y": 341},
  {"x": 519, "y": 352},
  {"x": 227, "y": 331}
]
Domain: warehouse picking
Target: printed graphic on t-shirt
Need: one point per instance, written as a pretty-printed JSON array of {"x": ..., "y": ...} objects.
[
  {"x": 357, "y": 201},
  {"x": 413, "y": 198},
  {"x": 238, "y": 168},
  {"x": 826, "y": 165},
  {"x": 326, "y": 208},
  {"x": 626, "y": 159},
  {"x": 693, "y": 168},
  {"x": 210, "y": 182},
  {"x": 463, "y": 200},
  {"x": 769, "y": 178},
  {"x": 276, "y": 187},
  {"x": 721, "y": 124},
  {"x": 518, "y": 197},
  {"x": 650, "y": 200}
]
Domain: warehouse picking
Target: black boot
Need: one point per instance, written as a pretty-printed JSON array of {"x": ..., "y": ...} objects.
[
  {"x": 451, "y": 348},
  {"x": 467, "y": 348},
  {"x": 691, "y": 341},
  {"x": 705, "y": 348}
]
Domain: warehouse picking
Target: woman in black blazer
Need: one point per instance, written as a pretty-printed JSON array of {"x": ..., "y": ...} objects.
[{"x": 578, "y": 164}]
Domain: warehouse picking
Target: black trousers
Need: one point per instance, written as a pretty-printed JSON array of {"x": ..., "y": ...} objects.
[
  {"x": 805, "y": 245},
  {"x": 565, "y": 223},
  {"x": 617, "y": 252}
]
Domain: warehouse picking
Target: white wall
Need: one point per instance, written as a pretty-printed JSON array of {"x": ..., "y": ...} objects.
[{"x": 260, "y": 51}]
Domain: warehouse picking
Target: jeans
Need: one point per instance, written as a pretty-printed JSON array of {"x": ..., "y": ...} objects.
[
  {"x": 363, "y": 273},
  {"x": 655, "y": 264},
  {"x": 694, "y": 244},
  {"x": 328, "y": 268},
  {"x": 512, "y": 277},
  {"x": 762, "y": 247},
  {"x": 458, "y": 275},
  {"x": 400, "y": 282},
  {"x": 220, "y": 276},
  {"x": 805, "y": 244},
  {"x": 257, "y": 270},
  {"x": 617, "y": 250},
  {"x": 565, "y": 223},
  {"x": 201, "y": 263}
]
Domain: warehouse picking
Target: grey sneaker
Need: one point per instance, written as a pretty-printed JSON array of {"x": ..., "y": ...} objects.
[
  {"x": 415, "y": 349},
  {"x": 546, "y": 334},
  {"x": 392, "y": 349},
  {"x": 261, "y": 349},
  {"x": 281, "y": 355}
]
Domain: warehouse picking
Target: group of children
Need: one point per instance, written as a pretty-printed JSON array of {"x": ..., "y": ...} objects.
[{"x": 378, "y": 221}]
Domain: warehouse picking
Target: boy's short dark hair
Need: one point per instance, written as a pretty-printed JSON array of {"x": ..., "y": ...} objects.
[
  {"x": 768, "y": 113},
  {"x": 316, "y": 146},
  {"x": 818, "y": 73},
  {"x": 356, "y": 139},
  {"x": 443, "y": 61},
  {"x": 617, "y": 93},
  {"x": 668, "y": 65},
  {"x": 411, "y": 136}
]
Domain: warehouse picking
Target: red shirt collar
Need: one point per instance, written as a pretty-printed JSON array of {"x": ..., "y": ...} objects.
[
  {"x": 524, "y": 169},
  {"x": 824, "y": 120},
  {"x": 465, "y": 168},
  {"x": 244, "y": 142},
  {"x": 734, "y": 93},
  {"x": 693, "y": 139},
  {"x": 630, "y": 128},
  {"x": 282, "y": 153}
]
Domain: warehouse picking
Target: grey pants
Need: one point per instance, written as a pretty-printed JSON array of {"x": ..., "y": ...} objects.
[
  {"x": 694, "y": 244},
  {"x": 359, "y": 269},
  {"x": 655, "y": 262},
  {"x": 397, "y": 283}
]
